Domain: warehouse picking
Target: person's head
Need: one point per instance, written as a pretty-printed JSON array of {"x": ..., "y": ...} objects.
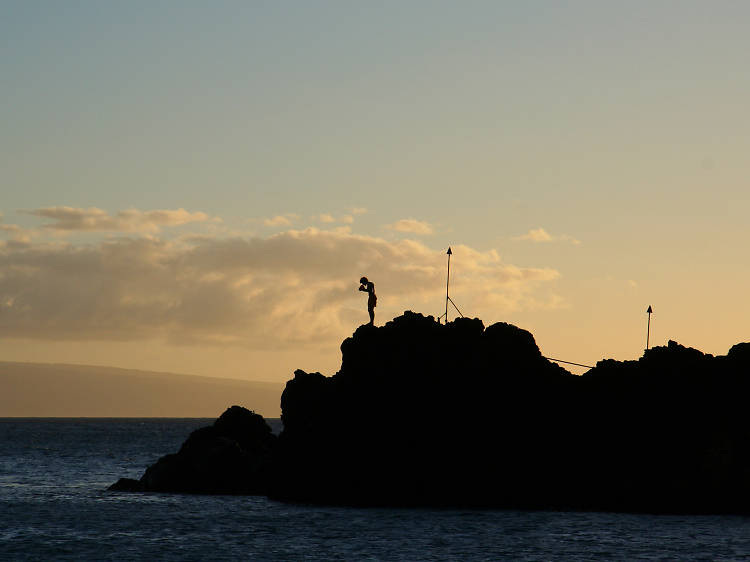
[{"x": 363, "y": 280}]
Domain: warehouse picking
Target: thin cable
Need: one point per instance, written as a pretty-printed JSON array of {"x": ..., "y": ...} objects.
[
  {"x": 454, "y": 306},
  {"x": 569, "y": 362}
]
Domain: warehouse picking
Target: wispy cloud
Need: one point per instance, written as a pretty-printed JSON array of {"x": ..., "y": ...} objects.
[
  {"x": 328, "y": 218},
  {"x": 93, "y": 219},
  {"x": 281, "y": 220},
  {"x": 16, "y": 232},
  {"x": 541, "y": 235},
  {"x": 411, "y": 226}
]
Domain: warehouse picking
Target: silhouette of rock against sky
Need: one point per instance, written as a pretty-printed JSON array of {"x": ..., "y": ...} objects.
[
  {"x": 230, "y": 457},
  {"x": 427, "y": 414}
]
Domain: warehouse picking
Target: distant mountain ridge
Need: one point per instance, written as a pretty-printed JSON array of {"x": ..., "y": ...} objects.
[{"x": 65, "y": 390}]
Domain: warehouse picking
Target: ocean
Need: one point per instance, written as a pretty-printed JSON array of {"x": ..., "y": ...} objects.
[{"x": 54, "y": 506}]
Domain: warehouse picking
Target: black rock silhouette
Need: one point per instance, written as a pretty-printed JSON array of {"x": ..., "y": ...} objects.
[
  {"x": 419, "y": 414},
  {"x": 230, "y": 457},
  {"x": 458, "y": 415}
]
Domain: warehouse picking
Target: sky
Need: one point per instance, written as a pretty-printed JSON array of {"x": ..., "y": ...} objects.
[{"x": 197, "y": 187}]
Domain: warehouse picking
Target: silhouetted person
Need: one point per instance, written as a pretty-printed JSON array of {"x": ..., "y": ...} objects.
[{"x": 372, "y": 300}]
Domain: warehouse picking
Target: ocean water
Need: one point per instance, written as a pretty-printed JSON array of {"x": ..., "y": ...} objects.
[{"x": 53, "y": 506}]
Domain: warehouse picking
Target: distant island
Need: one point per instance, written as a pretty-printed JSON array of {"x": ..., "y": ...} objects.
[
  {"x": 459, "y": 415},
  {"x": 59, "y": 390}
]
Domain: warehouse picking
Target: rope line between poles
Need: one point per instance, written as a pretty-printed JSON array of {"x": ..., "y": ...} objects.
[{"x": 569, "y": 362}]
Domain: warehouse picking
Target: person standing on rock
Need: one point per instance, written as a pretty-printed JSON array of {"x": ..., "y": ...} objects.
[{"x": 372, "y": 300}]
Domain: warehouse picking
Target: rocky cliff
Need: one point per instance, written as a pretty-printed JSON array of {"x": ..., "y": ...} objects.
[{"x": 462, "y": 415}]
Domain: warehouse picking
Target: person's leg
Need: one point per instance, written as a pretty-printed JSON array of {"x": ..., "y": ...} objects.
[{"x": 371, "y": 310}]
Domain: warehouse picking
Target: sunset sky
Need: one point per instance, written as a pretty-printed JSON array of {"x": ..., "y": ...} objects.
[{"x": 197, "y": 187}]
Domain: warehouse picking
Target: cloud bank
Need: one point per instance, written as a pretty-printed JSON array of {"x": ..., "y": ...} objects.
[{"x": 292, "y": 288}]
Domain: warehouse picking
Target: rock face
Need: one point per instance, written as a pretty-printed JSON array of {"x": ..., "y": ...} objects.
[
  {"x": 424, "y": 414},
  {"x": 669, "y": 432},
  {"x": 230, "y": 457},
  {"x": 458, "y": 415}
]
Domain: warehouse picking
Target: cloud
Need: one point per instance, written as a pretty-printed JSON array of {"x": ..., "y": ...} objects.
[
  {"x": 359, "y": 211},
  {"x": 281, "y": 220},
  {"x": 17, "y": 233},
  {"x": 536, "y": 235},
  {"x": 294, "y": 288},
  {"x": 541, "y": 235},
  {"x": 98, "y": 220},
  {"x": 411, "y": 226},
  {"x": 13, "y": 229},
  {"x": 327, "y": 218}
]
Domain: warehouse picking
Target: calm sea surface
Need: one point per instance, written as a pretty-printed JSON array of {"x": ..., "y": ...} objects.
[{"x": 53, "y": 506}]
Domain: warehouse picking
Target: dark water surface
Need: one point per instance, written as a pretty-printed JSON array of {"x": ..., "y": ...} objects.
[{"x": 53, "y": 506}]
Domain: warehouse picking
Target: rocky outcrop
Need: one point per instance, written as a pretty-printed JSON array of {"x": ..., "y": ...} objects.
[
  {"x": 458, "y": 415},
  {"x": 669, "y": 432},
  {"x": 427, "y": 414},
  {"x": 422, "y": 414},
  {"x": 232, "y": 456}
]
